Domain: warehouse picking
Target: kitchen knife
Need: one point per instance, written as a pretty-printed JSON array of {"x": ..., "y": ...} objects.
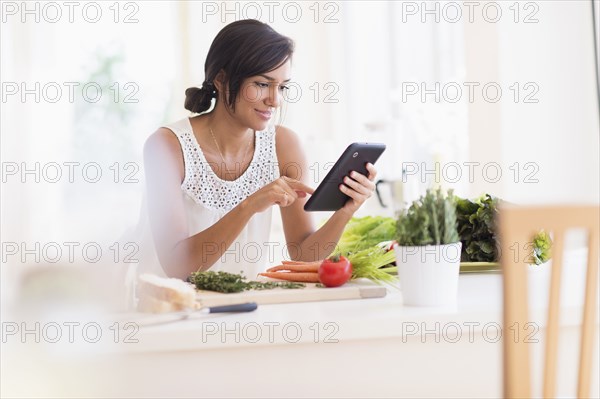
[{"x": 165, "y": 318}]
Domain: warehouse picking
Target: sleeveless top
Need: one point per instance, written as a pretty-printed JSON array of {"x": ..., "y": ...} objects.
[{"x": 207, "y": 198}]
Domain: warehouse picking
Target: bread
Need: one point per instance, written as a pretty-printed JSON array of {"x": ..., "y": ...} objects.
[
  {"x": 159, "y": 295},
  {"x": 148, "y": 304}
]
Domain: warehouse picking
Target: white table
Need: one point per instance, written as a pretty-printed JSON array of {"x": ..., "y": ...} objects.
[{"x": 354, "y": 348}]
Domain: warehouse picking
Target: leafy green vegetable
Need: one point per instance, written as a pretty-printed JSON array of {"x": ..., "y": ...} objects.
[
  {"x": 541, "y": 248},
  {"x": 365, "y": 232},
  {"x": 371, "y": 263},
  {"x": 477, "y": 228},
  {"x": 478, "y": 232},
  {"x": 229, "y": 282},
  {"x": 360, "y": 243},
  {"x": 431, "y": 220}
]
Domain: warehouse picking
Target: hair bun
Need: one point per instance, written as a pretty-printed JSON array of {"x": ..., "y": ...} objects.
[{"x": 198, "y": 99}]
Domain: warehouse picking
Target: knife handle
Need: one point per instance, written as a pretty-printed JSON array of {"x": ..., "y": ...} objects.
[{"x": 242, "y": 307}]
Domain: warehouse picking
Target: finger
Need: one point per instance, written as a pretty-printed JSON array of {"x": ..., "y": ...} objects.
[
  {"x": 282, "y": 198},
  {"x": 368, "y": 185},
  {"x": 292, "y": 194},
  {"x": 285, "y": 201},
  {"x": 355, "y": 195},
  {"x": 282, "y": 184},
  {"x": 356, "y": 186},
  {"x": 372, "y": 171},
  {"x": 299, "y": 186},
  {"x": 362, "y": 179}
]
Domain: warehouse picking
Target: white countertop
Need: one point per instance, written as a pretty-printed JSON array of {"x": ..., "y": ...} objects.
[{"x": 478, "y": 310}]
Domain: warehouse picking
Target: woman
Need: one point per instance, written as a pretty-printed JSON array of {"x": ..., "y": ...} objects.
[{"x": 213, "y": 179}]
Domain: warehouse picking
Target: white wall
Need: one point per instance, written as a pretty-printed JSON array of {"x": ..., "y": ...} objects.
[{"x": 559, "y": 134}]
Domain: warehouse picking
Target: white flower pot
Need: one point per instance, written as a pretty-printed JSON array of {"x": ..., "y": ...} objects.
[{"x": 428, "y": 274}]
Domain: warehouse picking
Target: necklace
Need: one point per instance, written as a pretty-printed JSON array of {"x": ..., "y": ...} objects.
[{"x": 221, "y": 154}]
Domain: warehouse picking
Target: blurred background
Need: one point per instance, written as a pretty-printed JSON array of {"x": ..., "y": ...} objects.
[{"x": 492, "y": 97}]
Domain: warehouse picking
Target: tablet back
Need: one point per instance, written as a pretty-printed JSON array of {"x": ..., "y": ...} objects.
[{"x": 327, "y": 196}]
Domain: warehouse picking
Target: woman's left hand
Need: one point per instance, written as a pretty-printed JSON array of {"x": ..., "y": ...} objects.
[{"x": 359, "y": 188}]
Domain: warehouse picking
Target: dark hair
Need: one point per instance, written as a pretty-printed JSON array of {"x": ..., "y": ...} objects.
[{"x": 241, "y": 49}]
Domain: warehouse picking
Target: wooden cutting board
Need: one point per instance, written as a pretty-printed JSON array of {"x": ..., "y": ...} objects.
[{"x": 310, "y": 293}]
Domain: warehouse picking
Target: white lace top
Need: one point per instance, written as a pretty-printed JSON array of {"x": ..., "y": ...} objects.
[{"x": 207, "y": 198}]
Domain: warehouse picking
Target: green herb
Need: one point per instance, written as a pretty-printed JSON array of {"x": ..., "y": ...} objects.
[
  {"x": 365, "y": 232},
  {"x": 477, "y": 228},
  {"x": 431, "y": 220},
  {"x": 229, "y": 282},
  {"x": 372, "y": 263},
  {"x": 269, "y": 285}
]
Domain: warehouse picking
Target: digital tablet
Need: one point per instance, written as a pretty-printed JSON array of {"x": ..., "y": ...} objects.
[{"x": 328, "y": 197}]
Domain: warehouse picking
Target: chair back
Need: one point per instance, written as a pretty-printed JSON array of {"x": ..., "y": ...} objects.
[{"x": 517, "y": 226}]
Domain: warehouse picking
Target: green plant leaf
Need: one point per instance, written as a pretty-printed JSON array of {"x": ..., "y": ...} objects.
[{"x": 431, "y": 220}]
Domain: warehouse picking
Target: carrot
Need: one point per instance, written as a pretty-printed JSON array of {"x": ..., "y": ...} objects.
[
  {"x": 297, "y": 262},
  {"x": 292, "y": 276},
  {"x": 313, "y": 268}
]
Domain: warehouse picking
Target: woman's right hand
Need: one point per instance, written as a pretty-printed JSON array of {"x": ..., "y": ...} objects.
[{"x": 283, "y": 191}]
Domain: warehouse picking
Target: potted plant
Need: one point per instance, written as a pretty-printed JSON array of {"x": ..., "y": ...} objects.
[{"x": 428, "y": 250}]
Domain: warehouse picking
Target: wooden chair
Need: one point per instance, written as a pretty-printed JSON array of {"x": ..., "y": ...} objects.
[{"x": 517, "y": 225}]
